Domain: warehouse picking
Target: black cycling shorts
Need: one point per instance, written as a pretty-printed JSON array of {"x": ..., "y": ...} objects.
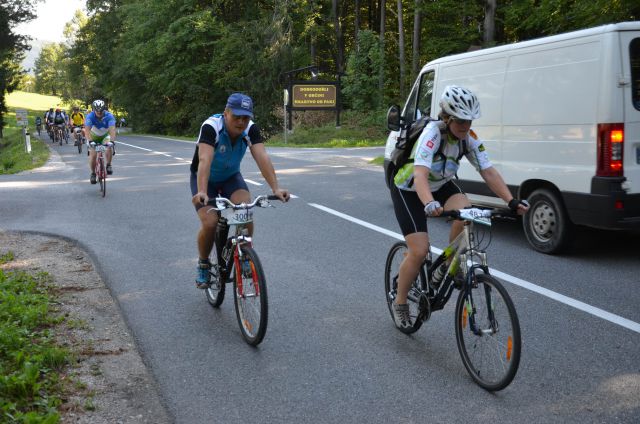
[
  {"x": 225, "y": 188},
  {"x": 410, "y": 210}
]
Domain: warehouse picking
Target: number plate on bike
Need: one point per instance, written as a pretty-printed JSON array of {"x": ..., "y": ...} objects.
[{"x": 240, "y": 216}]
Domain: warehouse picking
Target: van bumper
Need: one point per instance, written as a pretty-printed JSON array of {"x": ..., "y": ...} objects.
[{"x": 598, "y": 209}]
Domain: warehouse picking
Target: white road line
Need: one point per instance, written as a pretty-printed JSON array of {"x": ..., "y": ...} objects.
[
  {"x": 131, "y": 145},
  {"x": 600, "y": 313}
]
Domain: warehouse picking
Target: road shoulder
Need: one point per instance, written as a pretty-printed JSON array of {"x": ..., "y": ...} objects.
[{"x": 111, "y": 382}]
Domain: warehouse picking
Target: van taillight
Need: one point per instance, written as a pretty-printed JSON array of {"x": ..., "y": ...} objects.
[{"x": 610, "y": 147}]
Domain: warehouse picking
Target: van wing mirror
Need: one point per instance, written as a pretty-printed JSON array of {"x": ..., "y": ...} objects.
[{"x": 393, "y": 118}]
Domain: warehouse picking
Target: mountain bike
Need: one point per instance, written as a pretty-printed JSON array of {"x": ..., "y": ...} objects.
[
  {"x": 58, "y": 135},
  {"x": 486, "y": 322},
  {"x": 79, "y": 139},
  {"x": 236, "y": 262},
  {"x": 101, "y": 166}
]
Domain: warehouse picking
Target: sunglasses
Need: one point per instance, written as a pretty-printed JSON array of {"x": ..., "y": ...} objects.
[{"x": 460, "y": 121}]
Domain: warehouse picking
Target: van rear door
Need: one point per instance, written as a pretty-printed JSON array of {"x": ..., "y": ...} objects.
[{"x": 630, "y": 46}]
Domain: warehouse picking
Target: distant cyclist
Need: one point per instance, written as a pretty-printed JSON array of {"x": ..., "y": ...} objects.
[
  {"x": 60, "y": 120},
  {"x": 215, "y": 168},
  {"x": 426, "y": 185},
  {"x": 100, "y": 128},
  {"x": 48, "y": 122},
  {"x": 77, "y": 121}
]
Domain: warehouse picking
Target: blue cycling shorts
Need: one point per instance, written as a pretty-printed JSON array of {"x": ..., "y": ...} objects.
[{"x": 225, "y": 188}]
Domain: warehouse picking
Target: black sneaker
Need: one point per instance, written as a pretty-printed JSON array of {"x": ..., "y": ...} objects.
[
  {"x": 92, "y": 178},
  {"x": 109, "y": 169}
]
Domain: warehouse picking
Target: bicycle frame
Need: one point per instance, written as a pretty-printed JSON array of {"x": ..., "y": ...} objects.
[
  {"x": 238, "y": 216},
  {"x": 459, "y": 252},
  {"x": 462, "y": 249}
]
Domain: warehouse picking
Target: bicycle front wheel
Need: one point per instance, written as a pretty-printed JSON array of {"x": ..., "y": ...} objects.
[
  {"x": 394, "y": 259},
  {"x": 488, "y": 333},
  {"x": 102, "y": 177},
  {"x": 251, "y": 300}
]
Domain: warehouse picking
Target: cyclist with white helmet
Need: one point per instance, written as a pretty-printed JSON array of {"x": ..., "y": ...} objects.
[
  {"x": 426, "y": 185},
  {"x": 100, "y": 128}
]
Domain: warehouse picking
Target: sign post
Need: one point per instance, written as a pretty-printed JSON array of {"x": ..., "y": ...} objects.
[
  {"x": 311, "y": 94},
  {"x": 22, "y": 119},
  {"x": 286, "y": 102}
]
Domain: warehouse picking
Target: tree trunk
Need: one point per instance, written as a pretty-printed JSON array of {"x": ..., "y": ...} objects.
[
  {"x": 490, "y": 22},
  {"x": 417, "y": 30},
  {"x": 357, "y": 24},
  {"x": 339, "y": 41},
  {"x": 383, "y": 7},
  {"x": 401, "y": 48}
]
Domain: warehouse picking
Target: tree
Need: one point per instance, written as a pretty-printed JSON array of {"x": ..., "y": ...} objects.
[
  {"x": 401, "y": 59},
  {"x": 12, "y": 47},
  {"x": 417, "y": 29},
  {"x": 363, "y": 67}
]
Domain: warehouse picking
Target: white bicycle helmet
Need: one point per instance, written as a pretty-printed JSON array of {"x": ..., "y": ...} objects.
[
  {"x": 98, "y": 105},
  {"x": 460, "y": 103}
]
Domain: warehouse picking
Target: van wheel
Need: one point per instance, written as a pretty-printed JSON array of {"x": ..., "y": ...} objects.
[{"x": 547, "y": 225}]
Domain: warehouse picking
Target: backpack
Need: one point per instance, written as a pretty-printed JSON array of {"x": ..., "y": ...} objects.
[{"x": 408, "y": 137}]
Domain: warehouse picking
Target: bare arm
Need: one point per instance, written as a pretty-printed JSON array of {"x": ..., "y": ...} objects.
[
  {"x": 205, "y": 157},
  {"x": 495, "y": 182},
  {"x": 263, "y": 161},
  {"x": 421, "y": 182}
]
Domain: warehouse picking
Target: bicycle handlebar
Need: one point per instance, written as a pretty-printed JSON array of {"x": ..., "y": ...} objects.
[
  {"x": 222, "y": 203},
  {"x": 473, "y": 214}
]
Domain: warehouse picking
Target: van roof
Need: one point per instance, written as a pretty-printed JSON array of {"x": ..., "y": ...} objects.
[{"x": 622, "y": 26}]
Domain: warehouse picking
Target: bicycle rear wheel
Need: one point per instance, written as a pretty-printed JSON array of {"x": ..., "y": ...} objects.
[
  {"x": 251, "y": 306},
  {"x": 394, "y": 259},
  {"x": 488, "y": 333},
  {"x": 215, "y": 293}
]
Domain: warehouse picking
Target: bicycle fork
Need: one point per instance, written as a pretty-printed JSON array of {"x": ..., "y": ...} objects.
[
  {"x": 469, "y": 304},
  {"x": 238, "y": 260}
]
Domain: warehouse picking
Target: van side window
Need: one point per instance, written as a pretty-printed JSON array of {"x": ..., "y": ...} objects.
[
  {"x": 419, "y": 101},
  {"x": 634, "y": 60},
  {"x": 424, "y": 95}
]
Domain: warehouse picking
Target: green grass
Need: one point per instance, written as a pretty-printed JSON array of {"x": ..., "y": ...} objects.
[
  {"x": 13, "y": 155},
  {"x": 32, "y": 101},
  {"x": 31, "y": 363},
  {"x": 356, "y": 130}
]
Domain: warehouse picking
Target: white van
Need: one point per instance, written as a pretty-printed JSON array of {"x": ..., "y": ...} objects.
[{"x": 560, "y": 121}]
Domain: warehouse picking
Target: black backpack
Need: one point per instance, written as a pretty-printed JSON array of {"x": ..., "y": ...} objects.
[{"x": 408, "y": 137}]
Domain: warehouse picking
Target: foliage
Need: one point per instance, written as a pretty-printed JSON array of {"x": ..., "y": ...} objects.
[
  {"x": 171, "y": 63},
  {"x": 12, "y": 47},
  {"x": 362, "y": 73},
  {"x": 30, "y": 361}
]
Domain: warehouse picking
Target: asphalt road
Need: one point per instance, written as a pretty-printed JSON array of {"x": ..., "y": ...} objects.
[{"x": 332, "y": 353}]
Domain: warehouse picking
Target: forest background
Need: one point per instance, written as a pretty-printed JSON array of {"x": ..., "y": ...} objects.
[{"x": 168, "y": 64}]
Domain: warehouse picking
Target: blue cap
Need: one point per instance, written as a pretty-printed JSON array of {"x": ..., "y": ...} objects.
[{"x": 240, "y": 105}]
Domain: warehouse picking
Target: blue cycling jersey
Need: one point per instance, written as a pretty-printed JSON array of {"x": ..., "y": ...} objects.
[
  {"x": 99, "y": 128},
  {"x": 227, "y": 155}
]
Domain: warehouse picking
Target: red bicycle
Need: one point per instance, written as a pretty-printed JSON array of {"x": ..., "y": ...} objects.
[{"x": 101, "y": 166}]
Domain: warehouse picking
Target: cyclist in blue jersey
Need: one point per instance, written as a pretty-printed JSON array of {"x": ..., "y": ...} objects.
[
  {"x": 100, "y": 128},
  {"x": 215, "y": 169}
]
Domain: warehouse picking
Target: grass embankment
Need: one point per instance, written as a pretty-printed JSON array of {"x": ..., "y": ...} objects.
[
  {"x": 13, "y": 155},
  {"x": 30, "y": 361},
  {"x": 356, "y": 129},
  {"x": 316, "y": 130}
]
